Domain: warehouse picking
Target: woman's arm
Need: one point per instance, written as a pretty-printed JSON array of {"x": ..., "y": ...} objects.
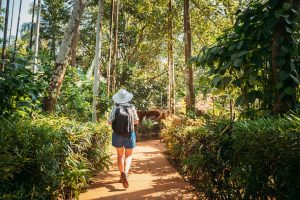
[
  {"x": 136, "y": 118},
  {"x": 111, "y": 116}
]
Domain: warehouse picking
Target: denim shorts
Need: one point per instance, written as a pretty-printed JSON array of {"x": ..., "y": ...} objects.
[{"x": 119, "y": 141}]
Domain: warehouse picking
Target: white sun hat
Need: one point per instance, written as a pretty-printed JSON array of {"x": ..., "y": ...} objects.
[{"x": 122, "y": 96}]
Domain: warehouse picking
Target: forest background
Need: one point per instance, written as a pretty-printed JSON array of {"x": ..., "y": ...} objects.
[{"x": 220, "y": 63}]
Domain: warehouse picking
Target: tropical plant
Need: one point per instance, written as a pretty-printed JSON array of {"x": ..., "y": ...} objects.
[
  {"x": 48, "y": 157},
  {"x": 148, "y": 125},
  {"x": 20, "y": 89},
  {"x": 221, "y": 157},
  {"x": 258, "y": 56}
]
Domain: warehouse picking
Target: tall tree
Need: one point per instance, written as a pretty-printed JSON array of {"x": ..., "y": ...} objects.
[
  {"x": 190, "y": 96},
  {"x": 115, "y": 49},
  {"x": 11, "y": 21},
  {"x": 97, "y": 61},
  {"x": 32, "y": 25},
  {"x": 285, "y": 96},
  {"x": 17, "y": 31},
  {"x": 55, "y": 14},
  {"x": 171, "y": 88},
  {"x": 74, "y": 44},
  {"x": 110, "y": 46},
  {"x": 2, "y": 64},
  {"x": 37, "y": 37},
  {"x": 49, "y": 101}
]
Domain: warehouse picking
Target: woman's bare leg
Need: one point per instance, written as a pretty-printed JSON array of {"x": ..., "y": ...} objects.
[
  {"x": 128, "y": 160},
  {"x": 120, "y": 152}
]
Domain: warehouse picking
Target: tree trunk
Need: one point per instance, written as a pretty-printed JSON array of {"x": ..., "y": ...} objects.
[
  {"x": 32, "y": 24},
  {"x": 49, "y": 101},
  {"x": 53, "y": 47},
  {"x": 11, "y": 21},
  {"x": 37, "y": 37},
  {"x": 97, "y": 61},
  {"x": 110, "y": 46},
  {"x": 115, "y": 51},
  {"x": 74, "y": 45},
  {"x": 2, "y": 64},
  {"x": 171, "y": 89},
  {"x": 190, "y": 96},
  {"x": 278, "y": 104},
  {"x": 17, "y": 32},
  {"x": 282, "y": 101}
]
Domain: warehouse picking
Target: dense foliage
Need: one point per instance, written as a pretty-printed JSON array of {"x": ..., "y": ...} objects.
[
  {"x": 47, "y": 157},
  {"x": 20, "y": 90},
  {"x": 250, "y": 159},
  {"x": 253, "y": 60},
  {"x": 258, "y": 57}
]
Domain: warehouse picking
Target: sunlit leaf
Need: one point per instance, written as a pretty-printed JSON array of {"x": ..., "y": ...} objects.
[{"x": 295, "y": 79}]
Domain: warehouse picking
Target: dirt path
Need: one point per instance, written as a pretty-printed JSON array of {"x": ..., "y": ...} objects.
[{"x": 150, "y": 177}]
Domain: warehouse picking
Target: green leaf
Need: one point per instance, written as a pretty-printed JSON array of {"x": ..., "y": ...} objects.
[
  {"x": 288, "y": 29},
  {"x": 289, "y": 91},
  {"x": 270, "y": 23},
  {"x": 226, "y": 80},
  {"x": 252, "y": 78},
  {"x": 283, "y": 75},
  {"x": 216, "y": 80},
  {"x": 287, "y": 20},
  {"x": 279, "y": 85},
  {"x": 286, "y": 6},
  {"x": 237, "y": 62},
  {"x": 225, "y": 65},
  {"x": 278, "y": 13},
  {"x": 215, "y": 50},
  {"x": 234, "y": 56},
  {"x": 232, "y": 47},
  {"x": 240, "y": 45},
  {"x": 272, "y": 3},
  {"x": 251, "y": 97},
  {"x": 281, "y": 62},
  {"x": 241, "y": 53},
  {"x": 294, "y": 11},
  {"x": 240, "y": 101},
  {"x": 295, "y": 79},
  {"x": 237, "y": 83},
  {"x": 284, "y": 50}
]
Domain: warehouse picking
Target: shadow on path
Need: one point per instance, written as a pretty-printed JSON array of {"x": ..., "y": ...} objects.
[{"x": 151, "y": 177}]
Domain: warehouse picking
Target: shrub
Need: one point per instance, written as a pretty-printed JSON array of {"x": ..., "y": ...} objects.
[
  {"x": 20, "y": 90},
  {"x": 250, "y": 159},
  {"x": 47, "y": 157},
  {"x": 75, "y": 100}
]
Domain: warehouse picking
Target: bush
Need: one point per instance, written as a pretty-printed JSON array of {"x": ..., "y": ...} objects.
[
  {"x": 250, "y": 159},
  {"x": 49, "y": 157},
  {"x": 20, "y": 90},
  {"x": 75, "y": 100}
]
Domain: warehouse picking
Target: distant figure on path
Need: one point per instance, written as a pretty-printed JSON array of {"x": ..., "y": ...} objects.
[{"x": 122, "y": 118}]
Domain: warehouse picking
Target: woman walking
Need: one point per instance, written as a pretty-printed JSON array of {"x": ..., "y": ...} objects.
[{"x": 122, "y": 118}]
